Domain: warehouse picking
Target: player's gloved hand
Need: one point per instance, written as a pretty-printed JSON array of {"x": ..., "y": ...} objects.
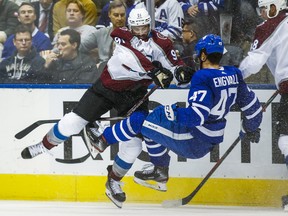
[
  {"x": 184, "y": 74},
  {"x": 160, "y": 75},
  {"x": 253, "y": 136},
  {"x": 170, "y": 111}
]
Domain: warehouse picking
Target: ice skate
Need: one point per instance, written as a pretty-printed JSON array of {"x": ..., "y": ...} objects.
[
  {"x": 113, "y": 189},
  {"x": 155, "y": 178},
  {"x": 33, "y": 150},
  {"x": 285, "y": 202},
  {"x": 286, "y": 161},
  {"x": 93, "y": 137}
]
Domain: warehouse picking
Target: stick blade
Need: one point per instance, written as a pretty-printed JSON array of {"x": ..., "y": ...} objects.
[
  {"x": 26, "y": 131},
  {"x": 73, "y": 161},
  {"x": 171, "y": 203}
]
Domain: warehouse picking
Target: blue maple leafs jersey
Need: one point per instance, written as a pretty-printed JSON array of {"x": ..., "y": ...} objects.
[
  {"x": 204, "y": 6},
  {"x": 212, "y": 94}
]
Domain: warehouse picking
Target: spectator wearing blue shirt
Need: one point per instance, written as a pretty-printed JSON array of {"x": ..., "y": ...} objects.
[
  {"x": 27, "y": 17},
  {"x": 203, "y": 7}
]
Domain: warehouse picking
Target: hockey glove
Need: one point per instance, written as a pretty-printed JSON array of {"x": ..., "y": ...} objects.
[
  {"x": 170, "y": 111},
  {"x": 253, "y": 137},
  {"x": 161, "y": 76},
  {"x": 184, "y": 74}
]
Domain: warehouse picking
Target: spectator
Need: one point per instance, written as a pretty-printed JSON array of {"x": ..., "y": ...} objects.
[
  {"x": 203, "y": 7},
  {"x": 68, "y": 65},
  {"x": 190, "y": 34},
  {"x": 44, "y": 16},
  {"x": 205, "y": 12},
  {"x": 169, "y": 18},
  {"x": 25, "y": 65},
  {"x": 75, "y": 14},
  {"x": 105, "y": 20},
  {"x": 59, "y": 15},
  {"x": 27, "y": 17},
  {"x": 101, "y": 38},
  {"x": 8, "y": 20}
]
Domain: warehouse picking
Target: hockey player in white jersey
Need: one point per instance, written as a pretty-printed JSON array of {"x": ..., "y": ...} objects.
[
  {"x": 270, "y": 47},
  {"x": 135, "y": 63},
  {"x": 192, "y": 132},
  {"x": 127, "y": 132},
  {"x": 169, "y": 18}
]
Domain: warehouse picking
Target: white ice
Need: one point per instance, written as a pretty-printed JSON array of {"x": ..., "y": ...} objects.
[{"x": 44, "y": 208}]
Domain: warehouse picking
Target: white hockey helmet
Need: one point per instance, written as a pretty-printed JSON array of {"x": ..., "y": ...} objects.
[
  {"x": 139, "y": 17},
  {"x": 280, "y": 5}
]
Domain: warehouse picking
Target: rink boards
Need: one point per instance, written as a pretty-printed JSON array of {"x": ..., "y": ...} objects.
[{"x": 252, "y": 175}]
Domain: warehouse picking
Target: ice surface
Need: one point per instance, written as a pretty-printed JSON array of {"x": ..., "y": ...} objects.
[{"x": 43, "y": 208}]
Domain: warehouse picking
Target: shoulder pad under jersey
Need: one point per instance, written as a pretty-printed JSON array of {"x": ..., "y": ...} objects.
[{"x": 122, "y": 33}]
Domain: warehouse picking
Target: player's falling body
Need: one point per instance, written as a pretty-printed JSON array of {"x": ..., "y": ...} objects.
[
  {"x": 141, "y": 49},
  {"x": 192, "y": 132}
]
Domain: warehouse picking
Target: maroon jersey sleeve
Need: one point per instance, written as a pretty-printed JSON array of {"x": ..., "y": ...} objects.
[{"x": 167, "y": 46}]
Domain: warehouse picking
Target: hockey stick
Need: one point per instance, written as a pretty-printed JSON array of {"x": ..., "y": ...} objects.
[
  {"x": 141, "y": 101},
  {"x": 38, "y": 123},
  {"x": 32, "y": 127},
  {"x": 187, "y": 199},
  {"x": 73, "y": 160}
]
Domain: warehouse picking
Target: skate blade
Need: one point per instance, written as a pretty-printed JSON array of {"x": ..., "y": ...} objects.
[
  {"x": 160, "y": 186},
  {"x": 94, "y": 152},
  {"x": 116, "y": 202}
]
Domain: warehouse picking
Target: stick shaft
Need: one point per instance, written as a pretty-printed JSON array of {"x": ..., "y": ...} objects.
[{"x": 36, "y": 124}]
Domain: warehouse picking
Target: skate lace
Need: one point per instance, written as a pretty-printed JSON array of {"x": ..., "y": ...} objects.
[
  {"x": 148, "y": 169},
  {"x": 37, "y": 149},
  {"x": 116, "y": 186}
]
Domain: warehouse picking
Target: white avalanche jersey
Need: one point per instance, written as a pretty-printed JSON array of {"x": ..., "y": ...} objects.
[
  {"x": 270, "y": 46},
  {"x": 169, "y": 18},
  {"x": 132, "y": 59}
]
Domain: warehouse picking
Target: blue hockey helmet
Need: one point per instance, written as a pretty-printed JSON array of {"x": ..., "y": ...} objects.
[{"x": 210, "y": 43}]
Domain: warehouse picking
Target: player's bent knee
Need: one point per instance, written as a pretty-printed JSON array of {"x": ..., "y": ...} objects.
[
  {"x": 136, "y": 120},
  {"x": 130, "y": 150},
  {"x": 71, "y": 124}
]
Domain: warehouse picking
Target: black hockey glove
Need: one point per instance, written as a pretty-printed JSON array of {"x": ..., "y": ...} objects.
[
  {"x": 253, "y": 137},
  {"x": 161, "y": 76},
  {"x": 184, "y": 74}
]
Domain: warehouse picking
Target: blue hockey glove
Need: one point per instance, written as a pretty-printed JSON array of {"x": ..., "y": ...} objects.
[
  {"x": 170, "y": 111},
  {"x": 160, "y": 75},
  {"x": 253, "y": 137},
  {"x": 184, "y": 74}
]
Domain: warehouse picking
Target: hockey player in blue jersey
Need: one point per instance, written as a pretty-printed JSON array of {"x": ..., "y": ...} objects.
[{"x": 192, "y": 132}]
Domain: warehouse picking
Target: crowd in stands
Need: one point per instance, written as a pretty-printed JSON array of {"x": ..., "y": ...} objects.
[{"x": 53, "y": 25}]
